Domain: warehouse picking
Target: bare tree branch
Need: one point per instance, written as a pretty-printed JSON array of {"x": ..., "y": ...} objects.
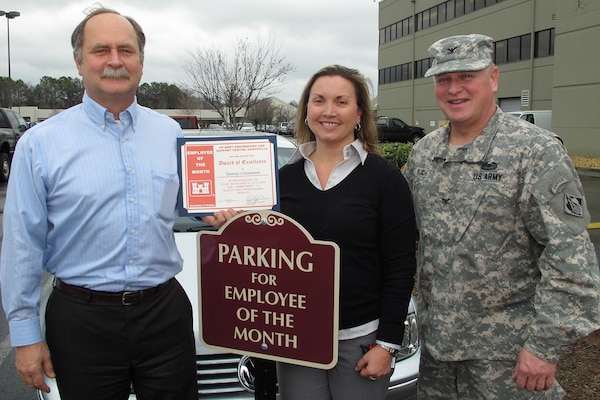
[{"x": 234, "y": 83}]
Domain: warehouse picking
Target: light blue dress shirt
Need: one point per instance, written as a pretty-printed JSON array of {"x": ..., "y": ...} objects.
[{"x": 92, "y": 201}]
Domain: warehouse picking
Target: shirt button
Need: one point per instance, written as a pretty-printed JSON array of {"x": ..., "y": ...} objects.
[
  {"x": 129, "y": 169},
  {"x": 132, "y": 200},
  {"x": 132, "y": 231},
  {"x": 130, "y": 262}
]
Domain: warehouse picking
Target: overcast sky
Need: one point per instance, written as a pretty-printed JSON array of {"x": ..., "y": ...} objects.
[{"x": 311, "y": 33}]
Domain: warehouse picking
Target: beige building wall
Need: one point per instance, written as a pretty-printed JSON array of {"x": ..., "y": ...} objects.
[
  {"x": 576, "y": 79},
  {"x": 567, "y": 83}
]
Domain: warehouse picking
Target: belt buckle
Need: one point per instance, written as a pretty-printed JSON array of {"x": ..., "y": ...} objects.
[{"x": 134, "y": 296}]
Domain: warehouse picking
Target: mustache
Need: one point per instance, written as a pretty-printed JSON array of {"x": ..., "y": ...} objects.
[{"x": 114, "y": 73}]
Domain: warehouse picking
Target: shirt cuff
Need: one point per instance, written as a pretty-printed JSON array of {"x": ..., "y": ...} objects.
[
  {"x": 390, "y": 345},
  {"x": 24, "y": 333}
]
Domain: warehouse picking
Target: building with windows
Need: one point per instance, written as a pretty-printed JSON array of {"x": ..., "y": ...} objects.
[{"x": 548, "y": 52}]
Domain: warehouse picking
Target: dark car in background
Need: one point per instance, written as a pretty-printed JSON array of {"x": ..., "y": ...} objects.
[{"x": 391, "y": 129}]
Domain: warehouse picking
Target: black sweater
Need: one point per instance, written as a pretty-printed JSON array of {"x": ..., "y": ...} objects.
[{"x": 370, "y": 216}]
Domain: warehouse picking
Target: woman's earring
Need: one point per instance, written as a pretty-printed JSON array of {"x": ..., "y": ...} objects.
[
  {"x": 358, "y": 127},
  {"x": 306, "y": 121}
]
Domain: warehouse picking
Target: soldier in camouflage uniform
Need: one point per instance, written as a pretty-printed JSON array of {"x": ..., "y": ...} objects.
[{"x": 508, "y": 276}]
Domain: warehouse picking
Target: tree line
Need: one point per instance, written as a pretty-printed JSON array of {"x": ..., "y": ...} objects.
[{"x": 65, "y": 92}]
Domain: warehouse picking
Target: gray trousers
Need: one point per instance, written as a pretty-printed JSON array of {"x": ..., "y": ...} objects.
[
  {"x": 475, "y": 380},
  {"x": 339, "y": 383}
]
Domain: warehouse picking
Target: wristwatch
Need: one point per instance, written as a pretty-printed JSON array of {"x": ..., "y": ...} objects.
[
  {"x": 389, "y": 349},
  {"x": 392, "y": 353}
]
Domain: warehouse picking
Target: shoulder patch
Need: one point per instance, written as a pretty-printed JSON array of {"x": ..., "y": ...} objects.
[{"x": 574, "y": 205}]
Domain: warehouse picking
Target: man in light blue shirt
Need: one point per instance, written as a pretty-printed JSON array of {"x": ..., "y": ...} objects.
[{"x": 91, "y": 199}]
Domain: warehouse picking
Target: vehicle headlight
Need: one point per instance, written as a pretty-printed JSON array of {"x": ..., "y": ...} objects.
[{"x": 410, "y": 341}]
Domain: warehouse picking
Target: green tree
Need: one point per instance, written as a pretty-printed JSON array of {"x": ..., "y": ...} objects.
[
  {"x": 160, "y": 95},
  {"x": 58, "y": 93},
  {"x": 15, "y": 93}
]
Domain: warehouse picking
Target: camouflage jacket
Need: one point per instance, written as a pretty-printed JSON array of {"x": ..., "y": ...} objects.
[{"x": 505, "y": 259}]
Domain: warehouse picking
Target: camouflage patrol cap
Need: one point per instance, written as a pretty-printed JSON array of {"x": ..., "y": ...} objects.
[{"x": 460, "y": 53}]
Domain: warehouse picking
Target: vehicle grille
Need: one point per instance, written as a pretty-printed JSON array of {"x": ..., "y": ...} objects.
[{"x": 218, "y": 378}]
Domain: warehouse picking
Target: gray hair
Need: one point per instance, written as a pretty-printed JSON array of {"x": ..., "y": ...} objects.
[{"x": 77, "y": 36}]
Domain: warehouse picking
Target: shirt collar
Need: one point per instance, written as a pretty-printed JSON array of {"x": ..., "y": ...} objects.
[
  {"x": 478, "y": 149},
  {"x": 306, "y": 149},
  {"x": 99, "y": 114}
]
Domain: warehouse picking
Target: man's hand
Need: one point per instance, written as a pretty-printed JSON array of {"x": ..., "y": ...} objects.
[
  {"x": 220, "y": 217},
  {"x": 533, "y": 373},
  {"x": 31, "y": 361}
]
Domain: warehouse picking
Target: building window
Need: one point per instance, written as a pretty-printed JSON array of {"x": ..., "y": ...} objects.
[
  {"x": 526, "y": 47},
  {"x": 544, "y": 43},
  {"x": 500, "y": 55},
  {"x": 459, "y": 9},
  {"x": 397, "y": 73},
  {"x": 443, "y": 12},
  {"x": 450, "y": 6},
  {"x": 469, "y": 6},
  {"x": 423, "y": 20},
  {"x": 421, "y": 66},
  {"x": 512, "y": 50},
  {"x": 405, "y": 72},
  {"x": 433, "y": 16},
  {"x": 393, "y": 32},
  {"x": 407, "y": 26}
]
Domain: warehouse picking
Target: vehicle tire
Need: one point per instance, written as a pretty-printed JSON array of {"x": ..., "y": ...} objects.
[
  {"x": 5, "y": 164},
  {"x": 415, "y": 138}
]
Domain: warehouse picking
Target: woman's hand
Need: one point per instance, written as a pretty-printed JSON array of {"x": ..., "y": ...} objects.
[{"x": 375, "y": 364}]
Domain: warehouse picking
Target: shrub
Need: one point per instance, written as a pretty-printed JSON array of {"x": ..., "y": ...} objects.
[{"x": 396, "y": 153}]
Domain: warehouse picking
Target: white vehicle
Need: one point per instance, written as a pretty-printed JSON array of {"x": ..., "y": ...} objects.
[
  {"x": 281, "y": 128},
  {"x": 247, "y": 127},
  {"x": 226, "y": 376},
  {"x": 541, "y": 118}
]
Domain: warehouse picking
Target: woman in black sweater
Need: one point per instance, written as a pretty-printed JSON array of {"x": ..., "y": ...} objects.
[{"x": 340, "y": 189}]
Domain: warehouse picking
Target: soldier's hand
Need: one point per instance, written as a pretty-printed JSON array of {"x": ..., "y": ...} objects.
[{"x": 533, "y": 373}]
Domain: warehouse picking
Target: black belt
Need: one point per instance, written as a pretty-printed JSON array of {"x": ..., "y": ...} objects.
[{"x": 126, "y": 298}]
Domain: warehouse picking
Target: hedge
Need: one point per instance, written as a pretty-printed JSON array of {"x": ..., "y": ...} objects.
[{"x": 396, "y": 153}]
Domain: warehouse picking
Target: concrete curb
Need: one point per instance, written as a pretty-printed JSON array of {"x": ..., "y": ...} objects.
[{"x": 588, "y": 172}]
